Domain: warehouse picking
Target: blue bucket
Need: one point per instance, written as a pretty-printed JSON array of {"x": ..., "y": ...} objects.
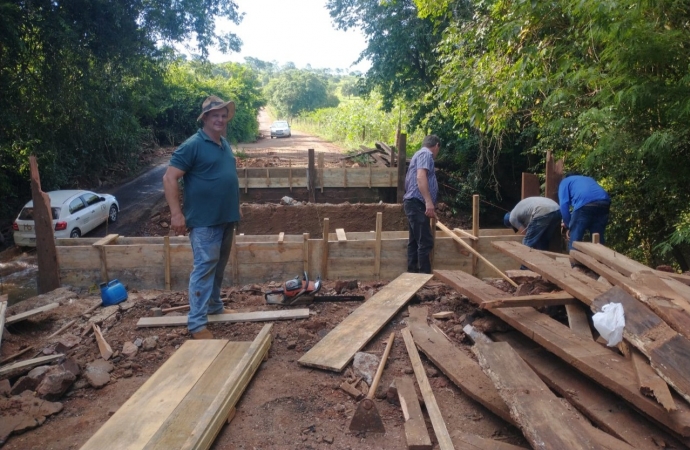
[{"x": 113, "y": 293}]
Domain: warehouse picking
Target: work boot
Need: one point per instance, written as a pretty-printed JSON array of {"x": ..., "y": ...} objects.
[{"x": 203, "y": 334}]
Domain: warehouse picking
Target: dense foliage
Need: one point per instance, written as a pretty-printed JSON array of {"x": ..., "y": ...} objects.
[
  {"x": 604, "y": 84},
  {"x": 86, "y": 86},
  {"x": 294, "y": 91}
]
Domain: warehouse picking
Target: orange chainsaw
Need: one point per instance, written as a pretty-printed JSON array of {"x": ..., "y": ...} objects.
[{"x": 303, "y": 292}]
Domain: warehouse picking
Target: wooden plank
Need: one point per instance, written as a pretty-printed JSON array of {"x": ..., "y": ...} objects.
[
  {"x": 536, "y": 301},
  {"x": 338, "y": 347},
  {"x": 462, "y": 370},
  {"x": 109, "y": 239},
  {"x": 3, "y": 311},
  {"x": 27, "y": 364},
  {"x": 198, "y": 418},
  {"x": 416, "y": 434},
  {"x": 257, "y": 316},
  {"x": 650, "y": 383},
  {"x": 668, "y": 351},
  {"x": 139, "y": 419},
  {"x": 437, "y": 422},
  {"x": 320, "y": 159},
  {"x": 474, "y": 442},
  {"x": 602, "y": 407},
  {"x": 540, "y": 415},
  {"x": 377, "y": 248},
  {"x": 340, "y": 233},
  {"x": 103, "y": 346},
  {"x": 48, "y": 277},
  {"x": 281, "y": 237},
  {"x": 465, "y": 234},
  {"x": 475, "y": 253},
  {"x": 166, "y": 261},
  {"x": 674, "y": 309},
  {"x": 324, "y": 249},
  {"x": 597, "y": 362},
  {"x": 578, "y": 320},
  {"x": 531, "y": 187},
  {"x": 30, "y": 313},
  {"x": 305, "y": 252}
]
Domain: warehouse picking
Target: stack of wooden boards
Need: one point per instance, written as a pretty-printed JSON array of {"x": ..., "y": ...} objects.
[
  {"x": 635, "y": 395},
  {"x": 189, "y": 398}
]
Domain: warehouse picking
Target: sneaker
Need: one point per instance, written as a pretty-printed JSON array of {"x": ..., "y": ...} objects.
[{"x": 203, "y": 334}]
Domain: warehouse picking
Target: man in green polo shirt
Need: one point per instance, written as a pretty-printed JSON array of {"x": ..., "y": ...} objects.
[{"x": 211, "y": 208}]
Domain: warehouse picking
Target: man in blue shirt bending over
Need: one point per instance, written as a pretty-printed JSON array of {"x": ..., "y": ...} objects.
[
  {"x": 590, "y": 205},
  {"x": 419, "y": 202}
]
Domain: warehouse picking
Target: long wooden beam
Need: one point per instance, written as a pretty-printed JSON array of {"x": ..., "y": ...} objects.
[
  {"x": 535, "y": 301},
  {"x": 338, "y": 347},
  {"x": 256, "y": 316},
  {"x": 598, "y": 363},
  {"x": 32, "y": 312}
]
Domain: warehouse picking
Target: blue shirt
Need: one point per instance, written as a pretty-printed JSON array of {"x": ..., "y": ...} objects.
[
  {"x": 423, "y": 159},
  {"x": 577, "y": 191},
  {"x": 211, "y": 188}
]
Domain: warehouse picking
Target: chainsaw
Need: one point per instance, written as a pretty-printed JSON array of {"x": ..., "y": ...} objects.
[{"x": 303, "y": 292}]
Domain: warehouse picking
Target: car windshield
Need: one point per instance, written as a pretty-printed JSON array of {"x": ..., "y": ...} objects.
[
  {"x": 280, "y": 124},
  {"x": 28, "y": 213}
]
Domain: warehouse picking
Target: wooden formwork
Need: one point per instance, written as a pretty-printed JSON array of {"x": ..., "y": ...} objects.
[{"x": 165, "y": 263}]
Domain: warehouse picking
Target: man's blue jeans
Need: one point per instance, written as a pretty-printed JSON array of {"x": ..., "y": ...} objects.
[
  {"x": 593, "y": 217},
  {"x": 211, "y": 249},
  {"x": 540, "y": 230},
  {"x": 420, "y": 241}
]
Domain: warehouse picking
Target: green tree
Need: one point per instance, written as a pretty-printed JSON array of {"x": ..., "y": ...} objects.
[{"x": 295, "y": 91}]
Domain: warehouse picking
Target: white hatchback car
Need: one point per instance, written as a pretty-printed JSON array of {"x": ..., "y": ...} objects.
[
  {"x": 280, "y": 128},
  {"x": 75, "y": 213}
]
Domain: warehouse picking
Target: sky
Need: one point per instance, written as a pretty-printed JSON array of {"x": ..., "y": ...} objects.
[{"x": 298, "y": 31}]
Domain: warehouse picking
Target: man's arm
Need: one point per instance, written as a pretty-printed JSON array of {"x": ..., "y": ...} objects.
[
  {"x": 564, "y": 201},
  {"x": 423, "y": 185},
  {"x": 172, "y": 195}
]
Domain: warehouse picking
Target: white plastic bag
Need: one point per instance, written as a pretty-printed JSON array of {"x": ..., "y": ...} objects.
[{"x": 610, "y": 323}]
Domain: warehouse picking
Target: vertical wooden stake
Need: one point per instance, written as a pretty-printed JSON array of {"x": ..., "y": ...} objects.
[
  {"x": 344, "y": 173},
  {"x": 46, "y": 252},
  {"x": 321, "y": 165},
  {"x": 433, "y": 238},
  {"x": 402, "y": 166},
  {"x": 166, "y": 253},
  {"x": 377, "y": 248},
  {"x": 246, "y": 181},
  {"x": 3, "y": 311},
  {"x": 305, "y": 252},
  {"x": 268, "y": 177},
  {"x": 311, "y": 176},
  {"x": 233, "y": 259},
  {"x": 104, "y": 263},
  {"x": 475, "y": 233},
  {"x": 290, "y": 173},
  {"x": 369, "y": 175},
  {"x": 324, "y": 253},
  {"x": 596, "y": 239}
]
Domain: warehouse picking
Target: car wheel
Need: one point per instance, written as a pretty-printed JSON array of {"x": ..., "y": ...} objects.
[
  {"x": 75, "y": 233},
  {"x": 112, "y": 214}
]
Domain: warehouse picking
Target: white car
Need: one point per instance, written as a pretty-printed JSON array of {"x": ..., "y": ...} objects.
[
  {"x": 75, "y": 213},
  {"x": 280, "y": 128}
]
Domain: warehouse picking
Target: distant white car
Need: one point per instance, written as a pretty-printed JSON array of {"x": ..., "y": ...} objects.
[
  {"x": 280, "y": 128},
  {"x": 75, "y": 213}
]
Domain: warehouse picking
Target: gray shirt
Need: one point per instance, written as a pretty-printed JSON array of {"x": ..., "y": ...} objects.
[{"x": 529, "y": 208}]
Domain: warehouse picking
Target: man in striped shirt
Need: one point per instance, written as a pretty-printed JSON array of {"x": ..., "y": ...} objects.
[{"x": 419, "y": 201}]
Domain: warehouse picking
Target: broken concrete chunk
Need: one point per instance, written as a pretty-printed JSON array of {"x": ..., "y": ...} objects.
[
  {"x": 100, "y": 365},
  {"x": 69, "y": 340},
  {"x": 23, "y": 412},
  {"x": 365, "y": 365},
  {"x": 97, "y": 379},
  {"x": 129, "y": 349},
  {"x": 31, "y": 381},
  {"x": 55, "y": 383},
  {"x": 70, "y": 365},
  {"x": 150, "y": 343}
]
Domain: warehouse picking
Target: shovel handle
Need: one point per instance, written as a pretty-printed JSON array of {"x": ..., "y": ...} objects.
[{"x": 379, "y": 371}]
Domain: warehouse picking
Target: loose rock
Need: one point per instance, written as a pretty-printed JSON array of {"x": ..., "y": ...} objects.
[
  {"x": 55, "y": 383},
  {"x": 365, "y": 365}
]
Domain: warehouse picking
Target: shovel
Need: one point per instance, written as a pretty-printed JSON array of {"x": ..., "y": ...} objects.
[{"x": 366, "y": 416}]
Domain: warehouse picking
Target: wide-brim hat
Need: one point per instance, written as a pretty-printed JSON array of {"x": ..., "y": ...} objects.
[{"x": 212, "y": 103}]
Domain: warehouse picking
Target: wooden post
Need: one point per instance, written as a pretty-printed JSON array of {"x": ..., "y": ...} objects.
[
  {"x": 402, "y": 168},
  {"x": 233, "y": 258},
  {"x": 377, "y": 248},
  {"x": 321, "y": 166},
  {"x": 596, "y": 239},
  {"x": 46, "y": 252},
  {"x": 268, "y": 177},
  {"x": 432, "y": 223},
  {"x": 305, "y": 252},
  {"x": 246, "y": 181},
  {"x": 290, "y": 173},
  {"x": 324, "y": 250},
  {"x": 530, "y": 186},
  {"x": 475, "y": 233},
  {"x": 166, "y": 252},
  {"x": 311, "y": 175},
  {"x": 553, "y": 177},
  {"x": 344, "y": 173}
]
